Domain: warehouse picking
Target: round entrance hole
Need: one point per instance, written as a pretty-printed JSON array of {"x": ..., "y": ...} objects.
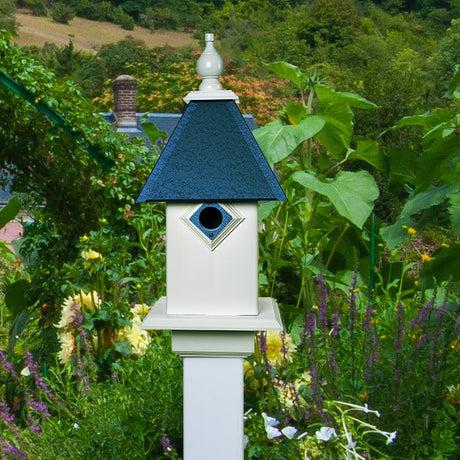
[{"x": 210, "y": 217}]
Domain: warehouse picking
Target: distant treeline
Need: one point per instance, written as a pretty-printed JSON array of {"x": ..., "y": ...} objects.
[{"x": 191, "y": 14}]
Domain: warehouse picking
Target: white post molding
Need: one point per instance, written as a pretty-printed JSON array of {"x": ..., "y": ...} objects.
[
  {"x": 213, "y": 392},
  {"x": 213, "y": 349}
]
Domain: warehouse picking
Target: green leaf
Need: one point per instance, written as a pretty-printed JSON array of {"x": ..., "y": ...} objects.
[
  {"x": 15, "y": 297},
  {"x": 10, "y": 211},
  {"x": 437, "y": 154},
  {"x": 351, "y": 193},
  {"x": 289, "y": 72},
  {"x": 326, "y": 94},
  {"x": 265, "y": 209},
  {"x": 277, "y": 140},
  {"x": 124, "y": 348},
  {"x": 152, "y": 132},
  {"x": 454, "y": 86},
  {"x": 444, "y": 266},
  {"x": 18, "y": 325},
  {"x": 427, "y": 120},
  {"x": 295, "y": 112},
  {"x": 396, "y": 233},
  {"x": 403, "y": 164},
  {"x": 454, "y": 211},
  {"x": 370, "y": 152},
  {"x": 337, "y": 132},
  {"x": 426, "y": 199}
]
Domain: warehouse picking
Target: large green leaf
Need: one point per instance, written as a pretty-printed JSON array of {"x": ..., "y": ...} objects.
[
  {"x": 278, "y": 140},
  {"x": 427, "y": 120},
  {"x": 454, "y": 87},
  {"x": 439, "y": 150},
  {"x": 16, "y": 297},
  {"x": 289, "y": 72},
  {"x": 337, "y": 132},
  {"x": 10, "y": 211},
  {"x": 17, "y": 326},
  {"x": 351, "y": 193},
  {"x": 444, "y": 265},
  {"x": 396, "y": 233},
  {"x": 328, "y": 95},
  {"x": 370, "y": 152},
  {"x": 403, "y": 165}
]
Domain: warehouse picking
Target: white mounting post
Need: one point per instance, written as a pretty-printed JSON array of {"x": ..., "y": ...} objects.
[{"x": 212, "y": 304}]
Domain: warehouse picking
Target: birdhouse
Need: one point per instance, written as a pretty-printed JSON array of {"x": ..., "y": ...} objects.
[{"x": 211, "y": 174}]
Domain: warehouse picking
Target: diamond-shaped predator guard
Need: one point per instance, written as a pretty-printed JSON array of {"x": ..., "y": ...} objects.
[{"x": 211, "y": 175}]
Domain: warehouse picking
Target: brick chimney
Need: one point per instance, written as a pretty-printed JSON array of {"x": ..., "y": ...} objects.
[{"x": 124, "y": 97}]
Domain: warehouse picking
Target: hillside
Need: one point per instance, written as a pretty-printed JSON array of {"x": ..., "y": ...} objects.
[{"x": 89, "y": 35}]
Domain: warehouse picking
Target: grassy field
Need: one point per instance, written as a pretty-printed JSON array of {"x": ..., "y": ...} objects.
[{"x": 89, "y": 35}]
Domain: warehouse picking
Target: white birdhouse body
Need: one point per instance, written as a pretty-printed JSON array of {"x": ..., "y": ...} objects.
[
  {"x": 211, "y": 174},
  {"x": 211, "y": 266}
]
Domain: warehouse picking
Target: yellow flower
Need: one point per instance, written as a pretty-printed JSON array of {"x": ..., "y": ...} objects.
[
  {"x": 84, "y": 239},
  {"x": 89, "y": 301},
  {"x": 248, "y": 372},
  {"x": 279, "y": 347},
  {"x": 426, "y": 258},
  {"x": 411, "y": 231},
  {"x": 138, "y": 338},
  {"x": 67, "y": 347},
  {"x": 288, "y": 396},
  {"x": 91, "y": 255},
  {"x": 304, "y": 379},
  {"x": 140, "y": 309}
]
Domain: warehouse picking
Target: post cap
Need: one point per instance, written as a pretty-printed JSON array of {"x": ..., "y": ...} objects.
[{"x": 210, "y": 67}]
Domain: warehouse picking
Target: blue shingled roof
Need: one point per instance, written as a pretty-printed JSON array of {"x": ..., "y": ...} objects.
[{"x": 211, "y": 156}]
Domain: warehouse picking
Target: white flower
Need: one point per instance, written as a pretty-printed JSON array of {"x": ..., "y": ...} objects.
[
  {"x": 269, "y": 421},
  {"x": 392, "y": 437},
  {"x": 325, "y": 433},
  {"x": 289, "y": 431},
  {"x": 351, "y": 444},
  {"x": 272, "y": 432},
  {"x": 68, "y": 313},
  {"x": 270, "y": 424},
  {"x": 245, "y": 441}
]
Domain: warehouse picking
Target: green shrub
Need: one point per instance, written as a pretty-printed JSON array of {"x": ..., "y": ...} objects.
[
  {"x": 98, "y": 11},
  {"x": 37, "y": 7},
  {"x": 62, "y": 13},
  {"x": 118, "y": 16}
]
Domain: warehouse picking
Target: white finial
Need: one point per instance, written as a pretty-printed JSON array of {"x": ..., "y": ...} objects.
[{"x": 210, "y": 67}]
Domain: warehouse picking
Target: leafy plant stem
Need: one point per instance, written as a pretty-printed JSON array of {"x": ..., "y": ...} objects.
[
  {"x": 337, "y": 241},
  {"x": 278, "y": 253}
]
